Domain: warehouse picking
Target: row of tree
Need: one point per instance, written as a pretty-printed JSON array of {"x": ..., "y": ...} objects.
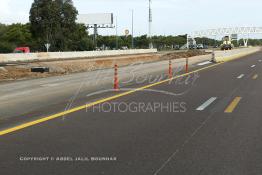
[
  {"x": 141, "y": 42},
  {"x": 21, "y": 35},
  {"x": 54, "y": 22}
]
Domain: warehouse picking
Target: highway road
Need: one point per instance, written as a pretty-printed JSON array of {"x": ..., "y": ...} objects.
[{"x": 205, "y": 122}]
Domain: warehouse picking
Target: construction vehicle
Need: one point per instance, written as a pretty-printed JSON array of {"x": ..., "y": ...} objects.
[{"x": 227, "y": 43}]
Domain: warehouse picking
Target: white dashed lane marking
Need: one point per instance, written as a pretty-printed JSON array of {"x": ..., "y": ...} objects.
[
  {"x": 240, "y": 76},
  {"x": 204, "y": 63},
  {"x": 206, "y": 104}
]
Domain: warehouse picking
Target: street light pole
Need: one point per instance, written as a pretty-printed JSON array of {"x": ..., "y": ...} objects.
[
  {"x": 132, "y": 28},
  {"x": 150, "y": 25},
  {"x": 116, "y": 35}
]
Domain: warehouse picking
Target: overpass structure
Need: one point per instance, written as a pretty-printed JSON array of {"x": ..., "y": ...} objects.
[{"x": 243, "y": 31}]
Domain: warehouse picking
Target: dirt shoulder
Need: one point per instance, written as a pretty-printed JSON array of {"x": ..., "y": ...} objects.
[{"x": 23, "y": 71}]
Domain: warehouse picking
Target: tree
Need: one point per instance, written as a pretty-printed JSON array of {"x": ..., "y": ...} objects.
[
  {"x": 18, "y": 34},
  {"x": 142, "y": 41},
  {"x": 15, "y": 35},
  {"x": 5, "y": 47},
  {"x": 79, "y": 40},
  {"x": 207, "y": 41},
  {"x": 53, "y": 21}
]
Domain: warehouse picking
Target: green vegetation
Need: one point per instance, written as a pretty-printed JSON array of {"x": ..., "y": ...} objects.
[
  {"x": 14, "y": 35},
  {"x": 54, "y": 22},
  {"x": 51, "y": 21}
]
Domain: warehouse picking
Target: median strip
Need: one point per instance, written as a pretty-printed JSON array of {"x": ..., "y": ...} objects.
[{"x": 233, "y": 105}]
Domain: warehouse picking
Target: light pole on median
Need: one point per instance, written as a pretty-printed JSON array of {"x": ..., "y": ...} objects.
[
  {"x": 150, "y": 25},
  {"x": 132, "y": 28},
  {"x": 116, "y": 34}
]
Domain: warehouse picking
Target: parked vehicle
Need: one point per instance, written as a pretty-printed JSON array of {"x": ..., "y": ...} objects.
[
  {"x": 205, "y": 47},
  {"x": 22, "y": 50},
  {"x": 192, "y": 46},
  {"x": 200, "y": 46},
  {"x": 176, "y": 47}
]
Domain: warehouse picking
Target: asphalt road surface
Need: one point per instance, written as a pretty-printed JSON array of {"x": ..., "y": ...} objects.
[{"x": 205, "y": 123}]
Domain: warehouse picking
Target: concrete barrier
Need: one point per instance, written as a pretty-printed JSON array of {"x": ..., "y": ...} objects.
[
  {"x": 27, "y": 57},
  {"x": 222, "y": 56}
]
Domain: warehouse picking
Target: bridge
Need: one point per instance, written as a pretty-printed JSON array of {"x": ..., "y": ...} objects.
[{"x": 243, "y": 31}]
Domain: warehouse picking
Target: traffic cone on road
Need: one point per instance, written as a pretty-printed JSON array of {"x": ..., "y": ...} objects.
[
  {"x": 116, "y": 82},
  {"x": 170, "y": 72},
  {"x": 187, "y": 65}
]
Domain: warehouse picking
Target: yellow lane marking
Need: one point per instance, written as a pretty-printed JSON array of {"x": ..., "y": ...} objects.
[
  {"x": 233, "y": 105},
  {"x": 255, "y": 77},
  {"x": 45, "y": 119}
]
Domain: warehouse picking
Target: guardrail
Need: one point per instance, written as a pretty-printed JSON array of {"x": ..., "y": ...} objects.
[{"x": 27, "y": 57}]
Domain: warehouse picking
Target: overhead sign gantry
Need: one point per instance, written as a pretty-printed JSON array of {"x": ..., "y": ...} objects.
[{"x": 239, "y": 31}]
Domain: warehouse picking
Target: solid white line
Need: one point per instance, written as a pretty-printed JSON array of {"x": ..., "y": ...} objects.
[
  {"x": 204, "y": 63},
  {"x": 206, "y": 104},
  {"x": 240, "y": 76},
  {"x": 253, "y": 66}
]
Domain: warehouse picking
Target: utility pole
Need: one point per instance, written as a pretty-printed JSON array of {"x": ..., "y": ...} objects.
[
  {"x": 132, "y": 28},
  {"x": 95, "y": 35},
  {"x": 150, "y": 25},
  {"x": 116, "y": 34}
]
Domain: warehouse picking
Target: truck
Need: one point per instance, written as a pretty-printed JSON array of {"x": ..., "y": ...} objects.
[
  {"x": 200, "y": 46},
  {"x": 227, "y": 43},
  {"x": 22, "y": 50}
]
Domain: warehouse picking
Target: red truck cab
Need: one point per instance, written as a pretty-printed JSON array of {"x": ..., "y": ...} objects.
[{"x": 22, "y": 50}]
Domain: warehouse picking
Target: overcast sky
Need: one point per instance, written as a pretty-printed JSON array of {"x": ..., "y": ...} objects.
[{"x": 170, "y": 17}]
